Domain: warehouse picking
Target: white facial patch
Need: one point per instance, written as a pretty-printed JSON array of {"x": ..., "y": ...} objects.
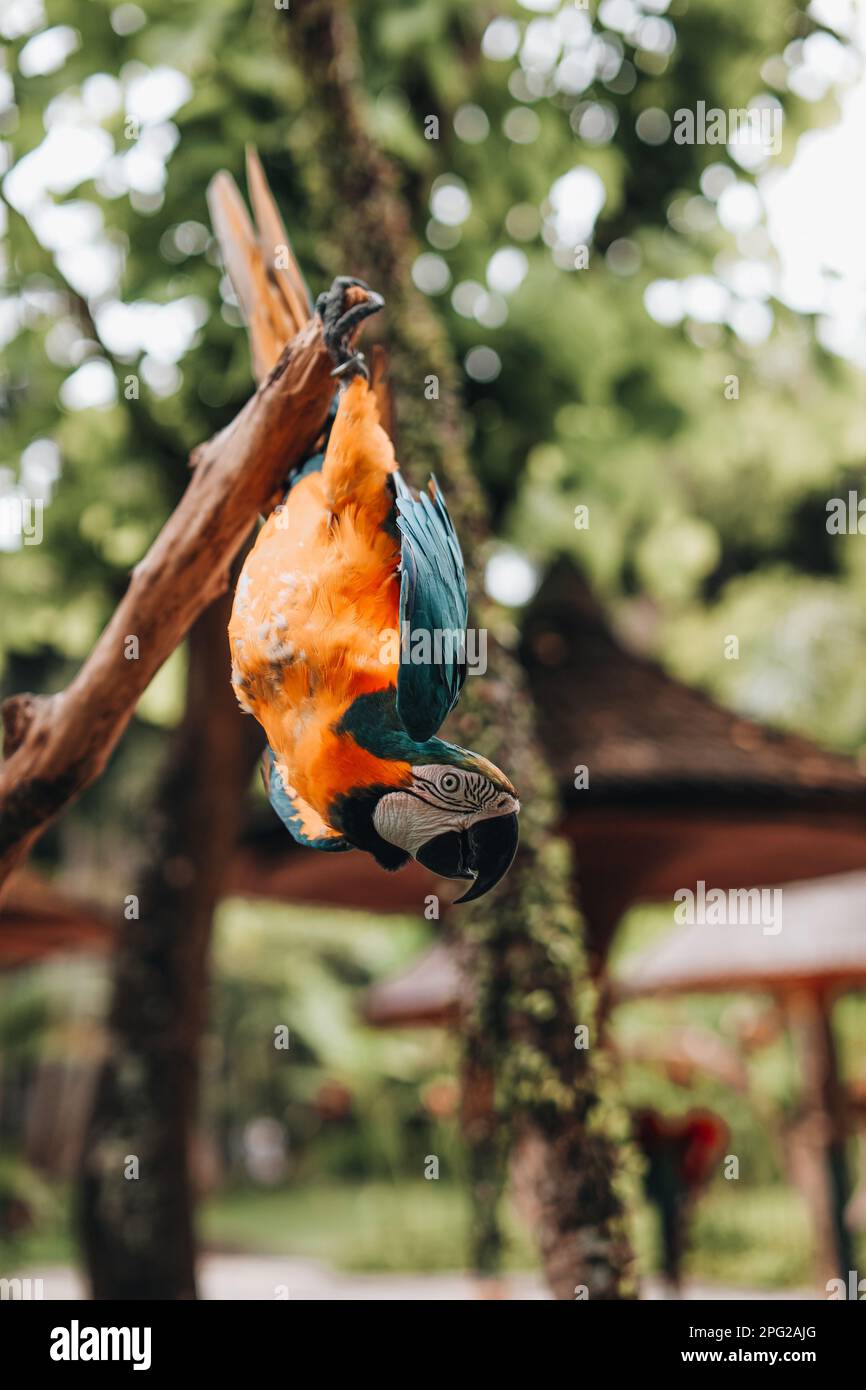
[{"x": 440, "y": 799}]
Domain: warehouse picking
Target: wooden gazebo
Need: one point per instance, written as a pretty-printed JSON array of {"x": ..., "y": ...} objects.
[
  {"x": 818, "y": 954},
  {"x": 680, "y": 789}
]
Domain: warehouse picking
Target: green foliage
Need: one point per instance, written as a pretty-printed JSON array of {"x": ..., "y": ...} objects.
[
  {"x": 691, "y": 495},
  {"x": 306, "y": 970},
  {"x": 706, "y": 510},
  {"x": 372, "y": 1226}
]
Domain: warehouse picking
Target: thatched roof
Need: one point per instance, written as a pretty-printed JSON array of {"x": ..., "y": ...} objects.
[
  {"x": 647, "y": 737},
  {"x": 821, "y": 945}
]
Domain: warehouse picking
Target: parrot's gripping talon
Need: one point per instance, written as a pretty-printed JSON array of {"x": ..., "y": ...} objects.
[
  {"x": 338, "y": 325},
  {"x": 353, "y": 366}
]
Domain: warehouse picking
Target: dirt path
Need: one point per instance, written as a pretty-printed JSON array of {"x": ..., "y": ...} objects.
[{"x": 245, "y": 1277}]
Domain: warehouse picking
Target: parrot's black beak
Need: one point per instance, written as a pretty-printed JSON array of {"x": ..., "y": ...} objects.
[{"x": 483, "y": 852}]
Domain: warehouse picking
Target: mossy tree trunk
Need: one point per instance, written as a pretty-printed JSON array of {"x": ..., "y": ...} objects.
[
  {"x": 137, "y": 1185},
  {"x": 523, "y": 943}
]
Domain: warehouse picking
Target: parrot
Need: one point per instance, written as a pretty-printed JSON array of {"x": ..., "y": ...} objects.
[{"x": 350, "y": 564}]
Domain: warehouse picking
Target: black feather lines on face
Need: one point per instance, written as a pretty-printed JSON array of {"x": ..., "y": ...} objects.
[{"x": 474, "y": 791}]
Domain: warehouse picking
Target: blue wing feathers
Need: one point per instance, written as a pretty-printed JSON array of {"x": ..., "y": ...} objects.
[
  {"x": 287, "y": 810},
  {"x": 433, "y": 598}
]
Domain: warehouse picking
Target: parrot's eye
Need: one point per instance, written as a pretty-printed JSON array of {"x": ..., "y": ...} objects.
[{"x": 450, "y": 782}]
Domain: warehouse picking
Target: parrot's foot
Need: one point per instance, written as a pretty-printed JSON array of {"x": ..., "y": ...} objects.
[{"x": 342, "y": 310}]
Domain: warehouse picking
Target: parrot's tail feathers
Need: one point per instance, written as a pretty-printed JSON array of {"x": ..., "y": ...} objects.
[
  {"x": 274, "y": 243},
  {"x": 260, "y": 264}
]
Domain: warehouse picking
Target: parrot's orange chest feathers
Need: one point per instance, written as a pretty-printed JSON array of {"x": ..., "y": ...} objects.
[
  {"x": 317, "y": 598},
  {"x": 348, "y": 631}
]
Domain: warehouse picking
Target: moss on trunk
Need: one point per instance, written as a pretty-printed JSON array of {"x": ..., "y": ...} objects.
[{"x": 524, "y": 952}]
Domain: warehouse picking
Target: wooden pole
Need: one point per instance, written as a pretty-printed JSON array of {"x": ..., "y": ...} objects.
[{"x": 823, "y": 1162}]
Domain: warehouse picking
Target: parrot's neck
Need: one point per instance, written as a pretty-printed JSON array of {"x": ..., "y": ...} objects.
[{"x": 373, "y": 723}]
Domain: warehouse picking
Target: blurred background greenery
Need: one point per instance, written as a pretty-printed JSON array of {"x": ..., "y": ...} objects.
[{"x": 605, "y": 385}]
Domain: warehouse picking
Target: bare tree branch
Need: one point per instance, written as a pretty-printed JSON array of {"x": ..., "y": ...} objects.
[{"x": 56, "y": 746}]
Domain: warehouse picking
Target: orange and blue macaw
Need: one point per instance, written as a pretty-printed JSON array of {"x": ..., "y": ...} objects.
[{"x": 344, "y": 575}]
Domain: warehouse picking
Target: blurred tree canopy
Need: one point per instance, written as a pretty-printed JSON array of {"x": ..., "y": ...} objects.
[
  {"x": 613, "y": 298},
  {"x": 603, "y": 284}
]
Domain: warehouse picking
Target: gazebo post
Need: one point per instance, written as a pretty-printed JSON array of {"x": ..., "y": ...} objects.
[
  {"x": 825, "y": 1176},
  {"x": 820, "y": 954}
]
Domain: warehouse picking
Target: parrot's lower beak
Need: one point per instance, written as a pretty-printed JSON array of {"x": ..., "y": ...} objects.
[{"x": 483, "y": 852}]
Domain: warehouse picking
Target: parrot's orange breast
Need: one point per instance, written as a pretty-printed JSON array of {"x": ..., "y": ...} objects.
[{"x": 316, "y": 608}]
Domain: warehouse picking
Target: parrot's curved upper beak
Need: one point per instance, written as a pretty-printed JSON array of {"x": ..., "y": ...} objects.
[{"x": 483, "y": 852}]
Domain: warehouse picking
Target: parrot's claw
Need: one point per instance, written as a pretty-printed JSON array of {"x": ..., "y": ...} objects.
[
  {"x": 353, "y": 366},
  {"x": 338, "y": 324}
]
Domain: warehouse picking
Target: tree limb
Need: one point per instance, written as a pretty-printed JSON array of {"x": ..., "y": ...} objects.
[{"x": 56, "y": 746}]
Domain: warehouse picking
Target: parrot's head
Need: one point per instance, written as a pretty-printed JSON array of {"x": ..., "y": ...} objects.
[
  {"x": 433, "y": 801},
  {"x": 457, "y": 817}
]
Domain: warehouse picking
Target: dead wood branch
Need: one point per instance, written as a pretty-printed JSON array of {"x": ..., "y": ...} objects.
[{"x": 56, "y": 746}]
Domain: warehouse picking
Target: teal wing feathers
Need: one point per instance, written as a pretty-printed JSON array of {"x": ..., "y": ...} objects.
[
  {"x": 433, "y": 600},
  {"x": 288, "y": 812}
]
